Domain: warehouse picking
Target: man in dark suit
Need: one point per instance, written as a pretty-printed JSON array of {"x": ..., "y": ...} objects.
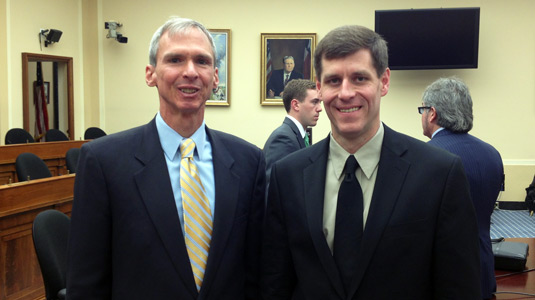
[
  {"x": 303, "y": 108},
  {"x": 367, "y": 213},
  {"x": 280, "y": 78},
  {"x": 171, "y": 209},
  {"x": 446, "y": 119}
]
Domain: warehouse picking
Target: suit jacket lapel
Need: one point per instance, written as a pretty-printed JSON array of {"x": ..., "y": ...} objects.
[
  {"x": 314, "y": 187},
  {"x": 155, "y": 189},
  {"x": 296, "y": 131},
  {"x": 227, "y": 186},
  {"x": 390, "y": 178}
]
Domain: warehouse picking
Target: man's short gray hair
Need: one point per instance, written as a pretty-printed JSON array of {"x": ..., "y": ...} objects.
[
  {"x": 176, "y": 25},
  {"x": 451, "y": 99}
]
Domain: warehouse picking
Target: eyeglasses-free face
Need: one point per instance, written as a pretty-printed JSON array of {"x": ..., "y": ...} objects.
[{"x": 421, "y": 109}]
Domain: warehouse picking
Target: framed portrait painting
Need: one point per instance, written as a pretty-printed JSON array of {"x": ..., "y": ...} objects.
[
  {"x": 284, "y": 56},
  {"x": 221, "y": 95}
]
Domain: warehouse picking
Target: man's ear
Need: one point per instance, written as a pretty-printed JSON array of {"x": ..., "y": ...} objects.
[
  {"x": 432, "y": 114},
  {"x": 150, "y": 75},
  {"x": 295, "y": 104},
  {"x": 216, "y": 79},
  {"x": 385, "y": 82}
]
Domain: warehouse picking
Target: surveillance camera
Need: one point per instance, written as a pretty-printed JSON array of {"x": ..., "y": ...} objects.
[
  {"x": 121, "y": 39},
  {"x": 113, "y": 34}
]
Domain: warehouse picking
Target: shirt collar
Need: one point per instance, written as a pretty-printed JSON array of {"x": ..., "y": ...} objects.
[
  {"x": 171, "y": 140},
  {"x": 437, "y": 131},
  {"x": 367, "y": 156},
  {"x": 298, "y": 124}
]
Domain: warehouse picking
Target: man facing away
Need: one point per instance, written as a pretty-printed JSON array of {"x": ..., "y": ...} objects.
[
  {"x": 280, "y": 78},
  {"x": 171, "y": 209},
  {"x": 303, "y": 108},
  {"x": 367, "y": 213},
  {"x": 446, "y": 119}
]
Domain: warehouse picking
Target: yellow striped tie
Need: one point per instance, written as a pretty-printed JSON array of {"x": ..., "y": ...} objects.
[{"x": 197, "y": 212}]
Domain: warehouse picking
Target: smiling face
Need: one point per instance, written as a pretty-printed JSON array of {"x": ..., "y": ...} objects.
[
  {"x": 184, "y": 73},
  {"x": 351, "y": 93}
]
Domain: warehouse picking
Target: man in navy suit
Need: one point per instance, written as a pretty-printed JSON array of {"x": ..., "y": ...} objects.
[
  {"x": 446, "y": 120},
  {"x": 303, "y": 108},
  {"x": 401, "y": 207},
  {"x": 280, "y": 78},
  {"x": 128, "y": 237}
]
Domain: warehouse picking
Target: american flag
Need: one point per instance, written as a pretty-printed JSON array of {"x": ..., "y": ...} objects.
[
  {"x": 306, "y": 61},
  {"x": 269, "y": 68},
  {"x": 41, "y": 113}
]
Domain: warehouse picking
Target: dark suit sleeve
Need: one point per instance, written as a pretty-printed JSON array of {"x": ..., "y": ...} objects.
[
  {"x": 456, "y": 259},
  {"x": 89, "y": 254},
  {"x": 280, "y": 147},
  {"x": 254, "y": 232},
  {"x": 278, "y": 278}
]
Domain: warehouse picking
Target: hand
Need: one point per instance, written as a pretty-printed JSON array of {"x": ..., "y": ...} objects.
[{"x": 271, "y": 93}]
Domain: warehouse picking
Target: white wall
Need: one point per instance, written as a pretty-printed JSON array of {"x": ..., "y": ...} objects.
[{"x": 110, "y": 89}]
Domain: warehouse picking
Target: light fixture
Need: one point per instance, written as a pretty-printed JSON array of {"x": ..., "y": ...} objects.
[
  {"x": 50, "y": 35},
  {"x": 113, "y": 34}
]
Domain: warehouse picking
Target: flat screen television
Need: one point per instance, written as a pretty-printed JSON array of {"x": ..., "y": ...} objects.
[{"x": 441, "y": 38}]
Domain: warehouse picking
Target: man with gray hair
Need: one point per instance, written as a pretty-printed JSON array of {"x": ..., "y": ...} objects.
[
  {"x": 171, "y": 209},
  {"x": 367, "y": 212},
  {"x": 446, "y": 119}
]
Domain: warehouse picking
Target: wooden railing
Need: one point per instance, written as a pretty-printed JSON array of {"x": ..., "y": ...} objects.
[
  {"x": 20, "y": 275},
  {"x": 53, "y": 153}
]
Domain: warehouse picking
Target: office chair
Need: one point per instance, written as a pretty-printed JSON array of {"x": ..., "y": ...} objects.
[
  {"x": 71, "y": 159},
  {"x": 55, "y": 135},
  {"x": 18, "y": 136},
  {"x": 30, "y": 166},
  {"x": 50, "y": 236},
  {"x": 93, "y": 133}
]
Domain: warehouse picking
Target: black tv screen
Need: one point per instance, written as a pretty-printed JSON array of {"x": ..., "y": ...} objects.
[{"x": 442, "y": 38}]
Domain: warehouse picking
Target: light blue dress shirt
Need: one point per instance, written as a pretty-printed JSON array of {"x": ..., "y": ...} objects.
[{"x": 171, "y": 141}]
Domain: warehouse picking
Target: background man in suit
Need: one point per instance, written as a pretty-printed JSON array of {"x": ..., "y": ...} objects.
[
  {"x": 446, "y": 120},
  {"x": 303, "y": 108},
  {"x": 279, "y": 78},
  {"x": 367, "y": 213},
  {"x": 143, "y": 227}
]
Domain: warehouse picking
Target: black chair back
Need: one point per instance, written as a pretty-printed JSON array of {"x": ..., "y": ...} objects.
[
  {"x": 18, "y": 136},
  {"x": 93, "y": 133},
  {"x": 30, "y": 166},
  {"x": 71, "y": 159},
  {"x": 50, "y": 237},
  {"x": 55, "y": 135}
]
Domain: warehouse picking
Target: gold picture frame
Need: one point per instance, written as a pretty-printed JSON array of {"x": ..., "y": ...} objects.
[
  {"x": 222, "y": 41},
  {"x": 275, "y": 47}
]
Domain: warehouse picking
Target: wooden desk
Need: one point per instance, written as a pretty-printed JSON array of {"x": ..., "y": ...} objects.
[
  {"x": 53, "y": 153},
  {"x": 20, "y": 275},
  {"x": 524, "y": 282}
]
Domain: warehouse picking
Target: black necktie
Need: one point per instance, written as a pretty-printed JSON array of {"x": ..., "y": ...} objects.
[
  {"x": 348, "y": 226},
  {"x": 286, "y": 79}
]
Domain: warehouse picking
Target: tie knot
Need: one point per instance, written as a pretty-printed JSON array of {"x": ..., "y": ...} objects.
[
  {"x": 350, "y": 167},
  {"x": 186, "y": 148}
]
